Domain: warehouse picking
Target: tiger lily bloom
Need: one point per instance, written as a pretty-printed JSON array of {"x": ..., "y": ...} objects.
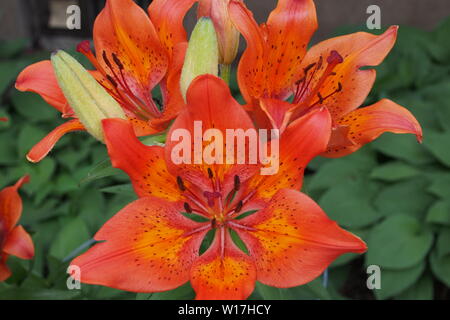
[
  {"x": 14, "y": 240},
  {"x": 134, "y": 53},
  {"x": 151, "y": 246},
  {"x": 276, "y": 65}
]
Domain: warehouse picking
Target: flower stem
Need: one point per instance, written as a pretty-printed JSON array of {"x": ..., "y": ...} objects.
[{"x": 225, "y": 72}]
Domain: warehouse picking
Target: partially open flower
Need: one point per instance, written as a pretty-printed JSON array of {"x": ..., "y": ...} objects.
[
  {"x": 90, "y": 102},
  {"x": 227, "y": 33},
  {"x": 14, "y": 240}
]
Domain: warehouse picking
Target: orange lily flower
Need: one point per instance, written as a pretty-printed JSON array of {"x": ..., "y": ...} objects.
[
  {"x": 14, "y": 240},
  {"x": 277, "y": 65},
  {"x": 150, "y": 246},
  {"x": 135, "y": 53}
]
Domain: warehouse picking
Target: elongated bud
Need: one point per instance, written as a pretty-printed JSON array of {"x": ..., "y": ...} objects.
[
  {"x": 228, "y": 35},
  {"x": 202, "y": 55},
  {"x": 88, "y": 99}
]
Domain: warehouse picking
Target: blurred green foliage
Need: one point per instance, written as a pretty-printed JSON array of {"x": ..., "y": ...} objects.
[{"x": 394, "y": 193}]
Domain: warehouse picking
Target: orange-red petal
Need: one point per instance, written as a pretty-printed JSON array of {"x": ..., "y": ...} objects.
[
  {"x": 223, "y": 272},
  {"x": 168, "y": 16},
  {"x": 18, "y": 243},
  {"x": 272, "y": 61},
  {"x": 292, "y": 241},
  {"x": 41, "y": 79},
  {"x": 303, "y": 139},
  {"x": 145, "y": 165},
  {"x": 43, "y": 147},
  {"x": 11, "y": 205},
  {"x": 358, "y": 50},
  {"x": 211, "y": 105},
  {"x": 147, "y": 247},
  {"x": 123, "y": 28},
  {"x": 364, "y": 125}
]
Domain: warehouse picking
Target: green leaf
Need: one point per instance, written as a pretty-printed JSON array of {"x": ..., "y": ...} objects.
[
  {"x": 352, "y": 167},
  {"x": 440, "y": 267},
  {"x": 404, "y": 147},
  {"x": 440, "y": 186},
  {"x": 184, "y": 292},
  {"x": 439, "y": 213},
  {"x": 37, "y": 294},
  {"x": 12, "y": 48},
  {"x": 71, "y": 236},
  {"x": 349, "y": 203},
  {"x": 311, "y": 290},
  {"x": 28, "y": 137},
  {"x": 438, "y": 144},
  {"x": 408, "y": 197},
  {"x": 120, "y": 189},
  {"x": 394, "y": 171},
  {"x": 101, "y": 170},
  {"x": 394, "y": 282},
  {"x": 398, "y": 242},
  {"x": 443, "y": 243},
  {"x": 420, "y": 290},
  {"x": 31, "y": 106}
]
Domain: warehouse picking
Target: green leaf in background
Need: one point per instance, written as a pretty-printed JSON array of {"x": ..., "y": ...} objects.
[
  {"x": 28, "y": 137},
  {"x": 351, "y": 167},
  {"x": 439, "y": 213},
  {"x": 394, "y": 171},
  {"x": 36, "y": 294},
  {"x": 398, "y": 242},
  {"x": 101, "y": 170},
  {"x": 404, "y": 147},
  {"x": 11, "y": 48},
  {"x": 312, "y": 290},
  {"x": 394, "y": 282},
  {"x": 349, "y": 203},
  {"x": 72, "y": 234},
  {"x": 440, "y": 267},
  {"x": 443, "y": 243},
  {"x": 33, "y": 107},
  {"x": 421, "y": 290},
  {"x": 404, "y": 197},
  {"x": 439, "y": 145},
  {"x": 440, "y": 185}
]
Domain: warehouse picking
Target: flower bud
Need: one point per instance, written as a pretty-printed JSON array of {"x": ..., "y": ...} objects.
[
  {"x": 202, "y": 54},
  {"x": 90, "y": 102},
  {"x": 228, "y": 35}
]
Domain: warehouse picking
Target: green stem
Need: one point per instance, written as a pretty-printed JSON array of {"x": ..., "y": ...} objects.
[{"x": 225, "y": 72}]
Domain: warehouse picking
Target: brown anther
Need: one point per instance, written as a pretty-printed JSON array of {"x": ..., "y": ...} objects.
[
  {"x": 339, "y": 87},
  {"x": 117, "y": 61},
  {"x": 210, "y": 173},
  {"x": 110, "y": 79},
  {"x": 187, "y": 207},
  {"x": 180, "y": 183},
  {"x": 237, "y": 183},
  {"x": 213, "y": 223},
  {"x": 239, "y": 207},
  {"x": 105, "y": 58},
  {"x": 320, "y": 97},
  {"x": 309, "y": 67}
]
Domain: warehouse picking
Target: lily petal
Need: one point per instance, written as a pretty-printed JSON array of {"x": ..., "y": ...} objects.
[
  {"x": 147, "y": 247},
  {"x": 43, "y": 147},
  {"x": 145, "y": 165},
  {"x": 357, "y": 50},
  {"x": 303, "y": 140},
  {"x": 123, "y": 29},
  {"x": 11, "y": 205},
  {"x": 364, "y": 125},
  {"x": 223, "y": 272},
  {"x": 168, "y": 16},
  {"x": 41, "y": 79},
  {"x": 307, "y": 241},
  {"x": 271, "y": 63},
  {"x": 19, "y": 244},
  {"x": 210, "y": 104}
]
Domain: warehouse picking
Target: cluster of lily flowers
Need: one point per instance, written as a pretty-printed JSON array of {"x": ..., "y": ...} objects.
[{"x": 312, "y": 96}]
